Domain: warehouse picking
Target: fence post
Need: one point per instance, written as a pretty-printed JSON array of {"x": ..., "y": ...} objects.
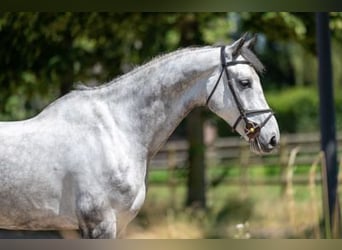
[
  {"x": 313, "y": 196},
  {"x": 211, "y": 157},
  {"x": 171, "y": 167},
  {"x": 244, "y": 162},
  {"x": 210, "y": 136},
  {"x": 289, "y": 193},
  {"x": 283, "y": 161}
]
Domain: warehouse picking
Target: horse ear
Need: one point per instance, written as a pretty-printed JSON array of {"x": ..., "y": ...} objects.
[
  {"x": 251, "y": 42},
  {"x": 237, "y": 45}
]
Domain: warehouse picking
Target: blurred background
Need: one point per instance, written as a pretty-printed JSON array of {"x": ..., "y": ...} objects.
[{"x": 204, "y": 183}]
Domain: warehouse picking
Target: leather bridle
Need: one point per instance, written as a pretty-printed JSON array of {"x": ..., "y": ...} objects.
[{"x": 252, "y": 129}]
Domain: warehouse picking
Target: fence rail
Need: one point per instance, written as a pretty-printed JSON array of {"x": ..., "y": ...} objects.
[{"x": 233, "y": 151}]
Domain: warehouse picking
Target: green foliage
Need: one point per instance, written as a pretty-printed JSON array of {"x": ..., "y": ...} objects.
[
  {"x": 283, "y": 26},
  {"x": 297, "y": 109},
  {"x": 336, "y": 24},
  {"x": 44, "y": 54},
  {"x": 287, "y": 23}
]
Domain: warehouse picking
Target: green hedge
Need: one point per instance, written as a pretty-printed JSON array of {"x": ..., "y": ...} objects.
[{"x": 297, "y": 109}]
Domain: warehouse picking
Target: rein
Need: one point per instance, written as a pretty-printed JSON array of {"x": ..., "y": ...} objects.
[{"x": 252, "y": 129}]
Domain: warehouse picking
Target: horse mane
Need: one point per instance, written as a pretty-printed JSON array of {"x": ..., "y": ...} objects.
[
  {"x": 245, "y": 52},
  {"x": 141, "y": 67}
]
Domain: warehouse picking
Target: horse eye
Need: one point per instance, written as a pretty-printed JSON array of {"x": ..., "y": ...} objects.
[{"x": 245, "y": 83}]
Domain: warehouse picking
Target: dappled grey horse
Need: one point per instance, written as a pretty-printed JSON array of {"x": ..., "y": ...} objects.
[{"x": 82, "y": 162}]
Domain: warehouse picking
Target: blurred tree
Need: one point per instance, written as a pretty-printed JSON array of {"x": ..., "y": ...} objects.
[
  {"x": 196, "y": 189},
  {"x": 42, "y": 54},
  {"x": 284, "y": 26},
  {"x": 288, "y": 46},
  {"x": 289, "y": 51}
]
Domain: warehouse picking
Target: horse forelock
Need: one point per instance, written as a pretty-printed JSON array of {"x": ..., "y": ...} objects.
[{"x": 252, "y": 59}]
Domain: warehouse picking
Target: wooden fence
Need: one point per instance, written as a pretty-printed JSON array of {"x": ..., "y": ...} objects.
[
  {"x": 297, "y": 161},
  {"x": 294, "y": 150}
]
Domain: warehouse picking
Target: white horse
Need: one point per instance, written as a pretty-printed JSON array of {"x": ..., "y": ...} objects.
[{"x": 82, "y": 162}]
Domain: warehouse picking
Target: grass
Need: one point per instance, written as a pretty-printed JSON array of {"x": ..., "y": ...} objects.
[{"x": 233, "y": 212}]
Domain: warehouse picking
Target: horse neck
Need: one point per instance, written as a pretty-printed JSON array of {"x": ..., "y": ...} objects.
[{"x": 157, "y": 96}]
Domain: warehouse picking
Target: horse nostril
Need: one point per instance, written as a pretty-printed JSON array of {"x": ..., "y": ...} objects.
[{"x": 273, "y": 141}]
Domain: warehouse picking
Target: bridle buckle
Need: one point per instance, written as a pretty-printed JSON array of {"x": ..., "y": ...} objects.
[{"x": 252, "y": 130}]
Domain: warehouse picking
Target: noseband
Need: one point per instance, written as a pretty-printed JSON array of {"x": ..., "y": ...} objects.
[{"x": 252, "y": 129}]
